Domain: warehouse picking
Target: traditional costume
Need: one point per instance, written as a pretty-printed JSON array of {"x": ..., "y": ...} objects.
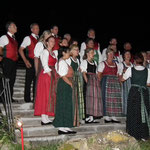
[
  {"x": 138, "y": 105},
  {"x": 45, "y": 101}
]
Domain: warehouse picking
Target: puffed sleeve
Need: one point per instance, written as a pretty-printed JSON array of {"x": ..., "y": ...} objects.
[
  {"x": 101, "y": 67},
  {"x": 127, "y": 74},
  {"x": 62, "y": 68},
  {"x": 44, "y": 60},
  {"x": 68, "y": 61},
  {"x": 148, "y": 78},
  {"x": 83, "y": 66},
  {"x": 38, "y": 49},
  {"x": 82, "y": 51},
  {"x": 120, "y": 68}
]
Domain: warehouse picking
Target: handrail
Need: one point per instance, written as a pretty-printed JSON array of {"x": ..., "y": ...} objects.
[{"x": 6, "y": 101}]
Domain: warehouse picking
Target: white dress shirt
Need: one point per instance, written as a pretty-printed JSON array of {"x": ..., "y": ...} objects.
[
  {"x": 27, "y": 41},
  {"x": 4, "y": 40}
]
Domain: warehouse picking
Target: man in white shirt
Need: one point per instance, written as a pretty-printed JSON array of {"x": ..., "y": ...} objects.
[
  {"x": 29, "y": 43},
  {"x": 9, "y": 54}
]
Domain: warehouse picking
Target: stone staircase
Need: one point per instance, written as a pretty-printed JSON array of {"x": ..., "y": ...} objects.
[{"x": 35, "y": 133}]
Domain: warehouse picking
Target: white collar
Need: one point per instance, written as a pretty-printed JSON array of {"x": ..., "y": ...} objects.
[
  {"x": 10, "y": 34},
  {"x": 34, "y": 35}
]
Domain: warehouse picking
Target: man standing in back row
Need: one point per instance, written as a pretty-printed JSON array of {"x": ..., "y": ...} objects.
[
  {"x": 9, "y": 54},
  {"x": 29, "y": 43}
]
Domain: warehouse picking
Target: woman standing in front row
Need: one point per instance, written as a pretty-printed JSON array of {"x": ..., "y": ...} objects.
[
  {"x": 78, "y": 98},
  {"x": 93, "y": 100},
  {"x": 46, "y": 85},
  {"x": 64, "y": 104},
  {"x": 138, "y": 105},
  {"x": 108, "y": 72}
]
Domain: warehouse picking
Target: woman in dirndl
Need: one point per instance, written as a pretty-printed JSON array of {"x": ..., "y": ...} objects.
[
  {"x": 64, "y": 118},
  {"x": 127, "y": 84},
  {"x": 46, "y": 85},
  {"x": 138, "y": 104},
  {"x": 108, "y": 73},
  {"x": 78, "y": 98},
  {"x": 93, "y": 101}
]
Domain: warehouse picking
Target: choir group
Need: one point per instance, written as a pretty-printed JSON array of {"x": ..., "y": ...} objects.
[{"x": 78, "y": 85}]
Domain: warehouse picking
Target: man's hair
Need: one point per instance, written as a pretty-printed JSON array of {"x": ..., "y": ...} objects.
[{"x": 8, "y": 24}]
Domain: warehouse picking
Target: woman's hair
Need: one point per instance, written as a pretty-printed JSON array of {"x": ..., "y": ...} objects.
[
  {"x": 139, "y": 59},
  {"x": 41, "y": 39},
  {"x": 86, "y": 52},
  {"x": 109, "y": 49},
  {"x": 88, "y": 39},
  {"x": 61, "y": 50},
  {"x": 124, "y": 52},
  {"x": 72, "y": 47},
  {"x": 48, "y": 39}
]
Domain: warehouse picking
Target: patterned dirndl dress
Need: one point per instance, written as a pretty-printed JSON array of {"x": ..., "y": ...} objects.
[
  {"x": 78, "y": 99},
  {"x": 94, "y": 105},
  {"x": 111, "y": 92}
]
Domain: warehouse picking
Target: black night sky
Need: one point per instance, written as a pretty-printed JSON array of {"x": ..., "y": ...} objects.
[{"x": 126, "y": 21}]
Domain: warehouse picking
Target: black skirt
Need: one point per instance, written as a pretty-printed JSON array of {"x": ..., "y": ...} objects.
[{"x": 134, "y": 125}]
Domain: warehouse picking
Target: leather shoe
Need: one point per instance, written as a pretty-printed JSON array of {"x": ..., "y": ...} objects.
[
  {"x": 42, "y": 123},
  {"x": 62, "y": 132},
  {"x": 72, "y": 132},
  {"x": 89, "y": 121},
  {"x": 107, "y": 121},
  {"x": 115, "y": 121}
]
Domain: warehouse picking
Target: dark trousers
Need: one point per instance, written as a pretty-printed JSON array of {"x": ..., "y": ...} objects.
[
  {"x": 9, "y": 70},
  {"x": 30, "y": 77}
]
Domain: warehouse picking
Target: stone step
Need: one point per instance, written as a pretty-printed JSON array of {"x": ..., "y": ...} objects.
[
  {"x": 22, "y": 113},
  {"x": 24, "y": 106},
  {"x": 36, "y": 121},
  {"x": 82, "y": 129},
  {"x": 54, "y": 139}
]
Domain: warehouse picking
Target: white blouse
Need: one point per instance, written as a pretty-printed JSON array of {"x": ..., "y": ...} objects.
[
  {"x": 44, "y": 60},
  {"x": 69, "y": 61},
  {"x": 39, "y": 47},
  {"x": 84, "y": 65},
  {"x": 82, "y": 51},
  {"x": 128, "y": 73},
  {"x": 101, "y": 67},
  {"x": 122, "y": 66},
  {"x": 62, "y": 69}
]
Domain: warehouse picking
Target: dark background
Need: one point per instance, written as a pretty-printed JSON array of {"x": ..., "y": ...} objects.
[{"x": 124, "y": 21}]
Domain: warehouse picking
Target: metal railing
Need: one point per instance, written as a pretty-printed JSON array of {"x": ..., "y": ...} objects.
[{"x": 5, "y": 96}]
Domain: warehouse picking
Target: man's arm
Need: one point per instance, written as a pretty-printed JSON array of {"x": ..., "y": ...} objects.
[{"x": 21, "y": 52}]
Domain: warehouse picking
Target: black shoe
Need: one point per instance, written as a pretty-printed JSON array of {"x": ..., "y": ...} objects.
[
  {"x": 94, "y": 121},
  {"x": 62, "y": 132},
  {"x": 115, "y": 121},
  {"x": 89, "y": 122},
  {"x": 107, "y": 121},
  {"x": 42, "y": 123},
  {"x": 72, "y": 132}
]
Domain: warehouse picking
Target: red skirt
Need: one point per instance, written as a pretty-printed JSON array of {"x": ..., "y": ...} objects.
[{"x": 45, "y": 100}]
